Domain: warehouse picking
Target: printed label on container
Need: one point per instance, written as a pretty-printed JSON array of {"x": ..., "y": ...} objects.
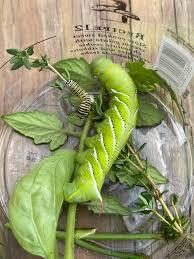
[{"x": 174, "y": 64}]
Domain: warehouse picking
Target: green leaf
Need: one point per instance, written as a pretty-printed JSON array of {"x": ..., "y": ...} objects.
[
  {"x": 74, "y": 100},
  {"x": 156, "y": 176},
  {"x": 145, "y": 79},
  {"x": 30, "y": 50},
  {"x": 129, "y": 174},
  {"x": 36, "y": 202},
  {"x": 148, "y": 114},
  {"x": 125, "y": 177},
  {"x": 23, "y": 53},
  {"x": 41, "y": 126},
  {"x": 174, "y": 198},
  {"x": 75, "y": 120},
  {"x": 143, "y": 199},
  {"x": 78, "y": 70},
  {"x": 17, "y": 64},
  {"x": 41, "y": 63},
  {"x": 13, "y": 51},
  {"x": 15, "y": 59},
  {"x": 112, "y": 175},
  {"x": 27, "y": 63},
  {"x": 37, "y": 63},
  {"x": 110, "y": 205}
]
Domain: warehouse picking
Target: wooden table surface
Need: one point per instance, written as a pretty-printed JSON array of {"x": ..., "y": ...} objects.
[{"x": 23, "y": 22}]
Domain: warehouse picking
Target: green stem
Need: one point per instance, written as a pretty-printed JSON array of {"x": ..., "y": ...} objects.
[
  {"x": 69, "y": 244},
  {"x": 61, "y": 235},
  {"x": 56, "y": 72},
  {"x": 176, "y": 213},
  {"x": 72, "y": 133},
  {"x": 85, "y": 133},
  {"x": 106, "y": 251}
]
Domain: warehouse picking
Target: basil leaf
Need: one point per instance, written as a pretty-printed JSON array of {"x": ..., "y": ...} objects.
[
  {"x": 41, "y": 126},
  {"x": 111, "y": 205},
  {"x": 35, "y": 204},
  {"x": 148, "y": 114},
  {"x": 78, "y": 70}
]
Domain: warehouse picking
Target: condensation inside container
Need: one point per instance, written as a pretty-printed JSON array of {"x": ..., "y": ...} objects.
[{"x": 166, "y": 148}]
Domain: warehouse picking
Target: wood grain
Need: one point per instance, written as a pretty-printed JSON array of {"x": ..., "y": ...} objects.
[{"x": 23, "y": 22}]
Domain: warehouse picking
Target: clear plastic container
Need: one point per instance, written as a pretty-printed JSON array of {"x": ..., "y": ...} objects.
[{"x": 167, "y": 149}]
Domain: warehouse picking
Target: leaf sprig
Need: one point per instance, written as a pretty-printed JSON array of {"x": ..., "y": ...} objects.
[
  {"x": 21, "y": 58},
  {"x": 150, "y": 201},
  {"x": 126, "y": 171},
  {"x": 146, "y": 80}
]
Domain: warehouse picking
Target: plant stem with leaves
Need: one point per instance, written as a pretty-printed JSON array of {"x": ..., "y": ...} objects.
[{"x": 174, "y": 223}]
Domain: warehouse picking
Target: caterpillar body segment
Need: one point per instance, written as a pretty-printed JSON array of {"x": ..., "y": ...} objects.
[
  {"x": 112, "y": 133},
  {"x": 86, "y": 100}
]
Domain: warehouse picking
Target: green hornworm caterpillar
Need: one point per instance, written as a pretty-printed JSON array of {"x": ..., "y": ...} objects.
[{"x": 112, "y": 133}]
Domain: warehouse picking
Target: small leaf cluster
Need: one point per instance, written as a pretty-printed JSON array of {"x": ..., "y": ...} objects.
[
  {"x": 146, "y": 203},
  {"x": 124, "y": 171},
  {"x": 21, "y": 58},
  {"x": 169, "y": 233},
  {"x": 41, "y": 62},
  {"x": 57, "y": 84}
]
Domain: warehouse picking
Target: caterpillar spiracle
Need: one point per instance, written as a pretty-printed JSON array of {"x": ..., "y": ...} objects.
[
  {"x": 111, "y": 134},
  {"x": 86, "y": 100}
]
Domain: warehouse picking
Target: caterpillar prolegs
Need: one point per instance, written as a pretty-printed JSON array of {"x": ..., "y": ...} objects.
[{"x": 112, "y": 133}]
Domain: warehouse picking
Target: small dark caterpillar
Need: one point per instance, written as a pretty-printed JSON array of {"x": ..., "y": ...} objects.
[{"x": 86, "y": 100}]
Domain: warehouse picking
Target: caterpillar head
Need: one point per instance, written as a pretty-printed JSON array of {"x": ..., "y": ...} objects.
[{"x": 99, "y": 65}]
